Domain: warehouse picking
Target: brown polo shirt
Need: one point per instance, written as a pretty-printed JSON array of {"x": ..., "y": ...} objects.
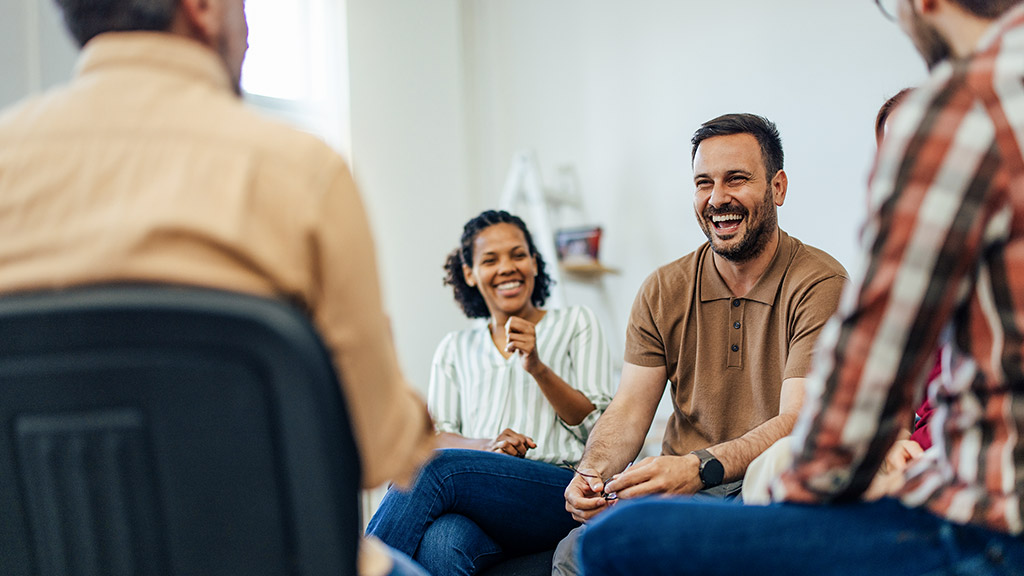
[{"x": 726, "y": 357}]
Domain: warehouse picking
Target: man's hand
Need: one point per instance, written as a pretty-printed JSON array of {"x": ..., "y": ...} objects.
[
  {"x": 658, "y": 475},
  {"x": 512, "y": 443},
  {"x": 584, "y": 497}
]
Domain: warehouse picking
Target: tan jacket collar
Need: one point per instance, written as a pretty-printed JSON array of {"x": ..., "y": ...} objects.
[{"x": 161, "y": 52}]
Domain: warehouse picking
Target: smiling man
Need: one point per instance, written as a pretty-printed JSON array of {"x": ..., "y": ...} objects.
[{"x": 730, "y": 326}]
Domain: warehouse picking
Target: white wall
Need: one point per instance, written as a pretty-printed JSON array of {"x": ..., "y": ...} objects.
[
  {"x": 35, "y": 50},
  {"x": 409, "y": 156}
]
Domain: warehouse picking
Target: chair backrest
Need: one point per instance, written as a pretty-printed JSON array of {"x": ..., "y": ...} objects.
[{"x": 171, "y": 431}]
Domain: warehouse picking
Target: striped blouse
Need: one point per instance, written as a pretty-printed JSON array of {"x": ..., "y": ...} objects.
[
  {"x": 476, "y": 392},
  {"x": 944, "y": 245}
]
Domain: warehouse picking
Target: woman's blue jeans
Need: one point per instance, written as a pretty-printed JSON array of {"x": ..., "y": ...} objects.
[
  {"x": 468, "y": 509},
  {"x": 689, "y": 536},
  {"x": 402, "y": 565}
]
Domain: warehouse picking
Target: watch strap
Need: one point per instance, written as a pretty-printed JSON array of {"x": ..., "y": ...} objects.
[{"x": 709, "y": 480}]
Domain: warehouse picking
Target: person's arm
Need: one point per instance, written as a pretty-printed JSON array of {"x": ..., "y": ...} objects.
[
  {"x": 570, "y": 404},
  {"x": 452, "y": 440},
  {"x": 929, "y": 223},
  {"x": 578, "y": 407},
  {"x": 444, "y": 401},
  {"x": 390, "y": 422},
  {"x": 736, "y": 455},
  {"x": 507, "y": 442},
  {"x": 617, "y": 437}
]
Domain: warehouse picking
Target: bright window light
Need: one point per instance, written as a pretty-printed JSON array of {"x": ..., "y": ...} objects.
[
  {"x": 297, "y": 66},
  {"x": 277, "y": 64}
]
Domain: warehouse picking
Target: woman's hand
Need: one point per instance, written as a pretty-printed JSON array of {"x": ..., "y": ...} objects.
[
  {"x": 521, "y": 336},
  {"x": 512, "y": 443},
  {"x": 571, "y": 405}
]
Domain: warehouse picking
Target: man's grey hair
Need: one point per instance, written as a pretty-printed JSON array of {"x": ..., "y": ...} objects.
[{"x": 88, "y": 18}]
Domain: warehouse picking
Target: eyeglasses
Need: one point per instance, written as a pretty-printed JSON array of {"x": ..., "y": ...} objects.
[
  {"x": 889, "y": 8},
  {"x": 606, "y": 495}
]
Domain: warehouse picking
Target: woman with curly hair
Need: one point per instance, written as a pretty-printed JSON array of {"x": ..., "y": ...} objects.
[{"x": 512, "y": 397}]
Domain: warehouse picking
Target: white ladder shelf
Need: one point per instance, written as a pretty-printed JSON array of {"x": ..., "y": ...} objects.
[{"x": 544, "y": 206}]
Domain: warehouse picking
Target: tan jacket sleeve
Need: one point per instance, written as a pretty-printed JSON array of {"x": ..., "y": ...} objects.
[{"x": 392, "y": 427}]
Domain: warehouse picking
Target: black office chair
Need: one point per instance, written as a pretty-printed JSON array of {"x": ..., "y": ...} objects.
[{"x": 171, "y": 431}]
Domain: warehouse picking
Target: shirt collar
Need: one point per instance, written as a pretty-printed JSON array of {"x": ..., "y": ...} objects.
[
  {"x": 713, "y": 286},
  {"x": 159, "y": 51}
]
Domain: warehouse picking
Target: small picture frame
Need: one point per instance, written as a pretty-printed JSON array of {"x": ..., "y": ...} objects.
[{"x": 578, "y": 245}]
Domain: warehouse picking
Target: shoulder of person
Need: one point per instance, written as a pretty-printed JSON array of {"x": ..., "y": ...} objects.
[
  {"x": 17, "y": 114},
  {"x": 680, "y": 270},
  {"x": 477, "y": 328},
  {"x": 814, "y": 263},
  {"x": 278, "y": 142},
  {"x": 576, "y": 313},
  {"x": 453, "y": 340}
]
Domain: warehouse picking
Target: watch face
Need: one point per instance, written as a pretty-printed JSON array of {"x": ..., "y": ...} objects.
[{"x": 712, "y": 473}]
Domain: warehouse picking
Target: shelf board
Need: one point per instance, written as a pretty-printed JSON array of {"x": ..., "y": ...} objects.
[{"x": 584, "y": 268}]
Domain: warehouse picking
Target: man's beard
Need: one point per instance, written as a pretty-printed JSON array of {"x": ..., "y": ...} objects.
[
  {"x": 757, "y": 235},
  {"x": 932, "y": 46}
]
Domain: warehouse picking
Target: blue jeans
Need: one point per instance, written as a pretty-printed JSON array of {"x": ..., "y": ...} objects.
[
  {"x": 683, "y": 536},
  {"x": 402, "y": 565},
  {"x": 468, "y": 509}
]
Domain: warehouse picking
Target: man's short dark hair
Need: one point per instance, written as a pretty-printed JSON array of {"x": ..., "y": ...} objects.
[
  {"x": 987, "y": 8},
  {"x": 759, "y": 127},
  {"x": 88, "y": 18}
]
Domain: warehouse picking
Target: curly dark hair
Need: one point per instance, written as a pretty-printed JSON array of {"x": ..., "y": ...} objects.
[{"x": 468, "y": 297}]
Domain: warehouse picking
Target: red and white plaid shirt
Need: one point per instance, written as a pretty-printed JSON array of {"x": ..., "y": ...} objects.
[{"x": 943, "y": 246}]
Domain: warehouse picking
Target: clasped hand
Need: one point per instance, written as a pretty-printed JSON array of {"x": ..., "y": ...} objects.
[
  {"x": 512, "y": 443},
  {"x": 891, "y": 475},
  {"x": 585, "y": 496},
  {"x": 521, "y": 336}
]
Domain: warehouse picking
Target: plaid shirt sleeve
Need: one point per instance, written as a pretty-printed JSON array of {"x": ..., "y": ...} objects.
[{"x": 931, "y": 192}]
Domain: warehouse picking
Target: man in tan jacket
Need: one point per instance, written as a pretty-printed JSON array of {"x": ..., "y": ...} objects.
[{"x": 147, "y": 167}]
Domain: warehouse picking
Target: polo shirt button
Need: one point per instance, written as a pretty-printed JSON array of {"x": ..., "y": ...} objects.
[
  {"x": 736, "y": 325},
  {"x": 735, "y": 348},
  {"x": 735, "y": 303}
]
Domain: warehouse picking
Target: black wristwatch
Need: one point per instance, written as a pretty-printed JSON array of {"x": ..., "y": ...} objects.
[{"x": 711, "y": 470}]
